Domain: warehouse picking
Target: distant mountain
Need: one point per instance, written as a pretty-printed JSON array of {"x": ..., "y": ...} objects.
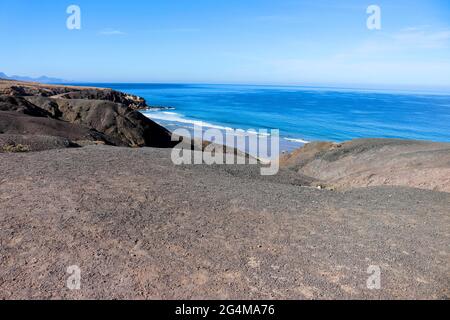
[{"x": 43, "y": 79}]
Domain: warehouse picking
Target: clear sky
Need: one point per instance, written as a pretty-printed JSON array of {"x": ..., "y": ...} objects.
[{"x": 300, "y": 42}]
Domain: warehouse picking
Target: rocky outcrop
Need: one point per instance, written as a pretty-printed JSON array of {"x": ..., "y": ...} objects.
[
  {"x": 78, "y": 114},
  {"x": 127, "y": 126},
  {"x": 374, "y": 162},
  {"x": 25, "y": 126},
  {"x": 21, "y": 89},
  {"x": 15, "y": 88},
  {"x": 131, "y": 101},
  {"x": 21, "y": 105}
]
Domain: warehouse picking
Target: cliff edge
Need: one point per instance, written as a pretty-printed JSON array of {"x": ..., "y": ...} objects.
[{"x": 81, "y": 115}]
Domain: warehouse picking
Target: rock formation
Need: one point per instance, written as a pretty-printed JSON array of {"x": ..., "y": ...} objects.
[
  {"x": 374, "y": 162},
  {"x": 78, "y": 114}
]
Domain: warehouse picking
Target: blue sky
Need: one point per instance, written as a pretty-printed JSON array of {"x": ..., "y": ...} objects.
[{"x": 300, "y": 42}]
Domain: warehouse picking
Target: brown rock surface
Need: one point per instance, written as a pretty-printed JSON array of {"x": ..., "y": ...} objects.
[
  {"x": 29, "y": 143},
  {"x": 19, "y": 88},
  {"x": 374, "y": 162},
  {"x": 140, "y": 227}
]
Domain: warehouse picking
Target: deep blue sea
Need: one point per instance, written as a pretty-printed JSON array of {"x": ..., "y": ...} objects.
[{"x": 302, "y": 114}]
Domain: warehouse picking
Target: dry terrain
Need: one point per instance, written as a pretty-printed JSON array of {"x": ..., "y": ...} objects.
[{"x": 76, "y": 191}]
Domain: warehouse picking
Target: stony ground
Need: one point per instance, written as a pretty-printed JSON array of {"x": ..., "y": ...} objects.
[
  {"x": 140, "y": 227},
  {"x": 374, "y": 162}
]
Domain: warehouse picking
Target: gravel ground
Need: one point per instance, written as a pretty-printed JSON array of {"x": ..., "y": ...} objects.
[{"x": 141, "y": 228}]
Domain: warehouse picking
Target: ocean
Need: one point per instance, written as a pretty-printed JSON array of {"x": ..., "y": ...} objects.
[{"x": 302, "y": 114}]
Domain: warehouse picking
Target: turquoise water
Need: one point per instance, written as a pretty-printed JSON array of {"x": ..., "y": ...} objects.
[{"x": 302, "y": 114}]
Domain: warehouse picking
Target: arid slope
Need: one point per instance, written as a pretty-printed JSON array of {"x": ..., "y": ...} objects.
[
  {"x": 374, "y": 162},
  {"x": 140, "y": 227}
]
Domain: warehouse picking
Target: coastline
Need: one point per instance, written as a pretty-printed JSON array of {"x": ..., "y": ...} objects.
[
  {"x": 86, "y": 179},
  {"x": 301, "y": 114},
  {"x": 38, "y": 117}
]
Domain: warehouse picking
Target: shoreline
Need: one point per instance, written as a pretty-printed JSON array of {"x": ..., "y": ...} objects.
[
  {"x": 144, "y": 108},
  {"x": 285, "y": 145},
  {"x": 86, "y": 180},
  {"x": 304, "y": 115}
]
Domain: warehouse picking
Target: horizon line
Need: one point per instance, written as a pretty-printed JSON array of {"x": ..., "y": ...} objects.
[{"x": 362, "y": 87}]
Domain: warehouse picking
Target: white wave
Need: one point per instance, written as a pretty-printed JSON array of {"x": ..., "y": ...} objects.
[
  {"x": 296, "y": 140},
  {"x": 262, "y": 134},
  {"x": 176, "y": 117}
]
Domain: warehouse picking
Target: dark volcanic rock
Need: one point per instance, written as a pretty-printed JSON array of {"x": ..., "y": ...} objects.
[
  {"x": 128, "y": 127},
  {"x": 22, "y": 124},
  {"x": 18, "y": 90},
  {"x": 94, "y": 114},
  {"x": 21, "y": 105},
  {"x": 27, "y": 89},
  {"x": 131, "y": 101}
]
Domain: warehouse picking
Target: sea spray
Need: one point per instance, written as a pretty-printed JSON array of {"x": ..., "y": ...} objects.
[{"x": 213, "y": 146}]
